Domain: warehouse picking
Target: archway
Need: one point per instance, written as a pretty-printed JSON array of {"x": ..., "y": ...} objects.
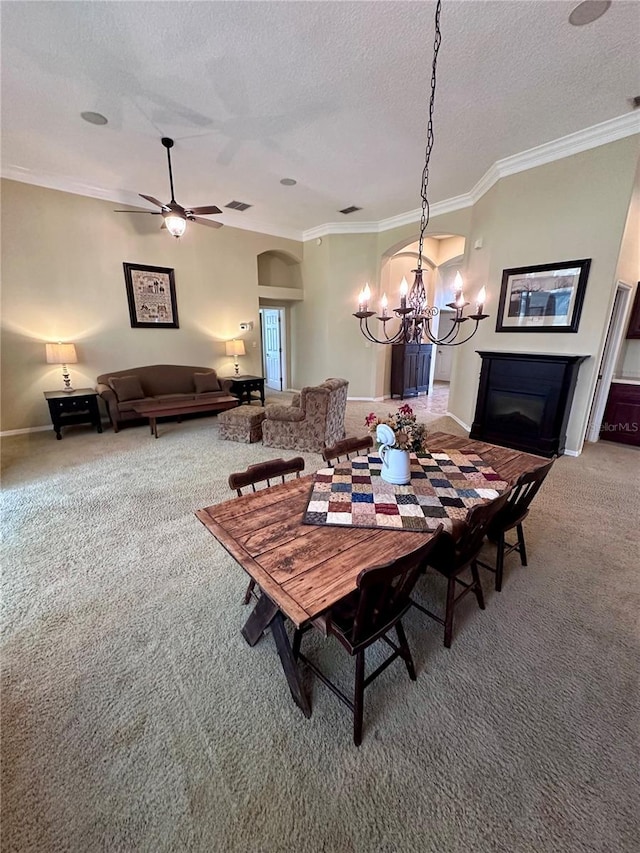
[{"x": 442, "y": 257}]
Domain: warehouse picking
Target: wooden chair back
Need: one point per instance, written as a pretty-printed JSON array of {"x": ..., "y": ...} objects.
[
  {"x": 346, "y": 447},
  {"x": 522, "y": 494},
  {"x": 477, "y": 521},
  {"x": 265, "y": 472},
  {"x": 385, "y": 592}
]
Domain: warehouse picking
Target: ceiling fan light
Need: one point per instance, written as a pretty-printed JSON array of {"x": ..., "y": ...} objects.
[{"x": 176, "y": 225}]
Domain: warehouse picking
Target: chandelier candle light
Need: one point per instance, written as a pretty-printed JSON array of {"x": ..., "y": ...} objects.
[{"x": 414, "y": 313}]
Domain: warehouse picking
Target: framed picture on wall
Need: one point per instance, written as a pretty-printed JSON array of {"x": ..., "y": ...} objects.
[
  {"x": 544, "y": 298},
  {"x": 151, "y": 292}
]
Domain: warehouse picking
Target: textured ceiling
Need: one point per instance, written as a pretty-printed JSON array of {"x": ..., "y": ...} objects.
[{"x": 332, "y": 94}]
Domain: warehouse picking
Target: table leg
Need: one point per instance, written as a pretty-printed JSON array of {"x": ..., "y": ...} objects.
[
  {"x": 289, "y": 665},
  {"x": 259, "y": 620},
  {"x": 267, "y": 615},
  {"x": 155, "y": 426}
]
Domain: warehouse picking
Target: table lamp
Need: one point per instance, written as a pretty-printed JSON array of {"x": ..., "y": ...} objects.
[
  {"x": 235, "y": 348},
  {"x": 63, "y": 354}
]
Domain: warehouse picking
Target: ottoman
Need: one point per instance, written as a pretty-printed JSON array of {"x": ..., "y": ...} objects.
[{"x": 243, "y": 423}]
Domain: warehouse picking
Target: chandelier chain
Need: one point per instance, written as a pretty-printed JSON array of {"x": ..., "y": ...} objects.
[{"x": 424, "y": 218}]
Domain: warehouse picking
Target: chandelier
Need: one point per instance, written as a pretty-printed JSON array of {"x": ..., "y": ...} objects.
[{"x": 414, "y": 314}]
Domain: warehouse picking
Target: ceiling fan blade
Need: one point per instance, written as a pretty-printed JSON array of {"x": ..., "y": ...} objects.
[
  {"x": 152, "y": 212},
  {"x": 152, "y": 200},
  {"x": 209, "y": 222},
  {"x": 204, "y": 211}
]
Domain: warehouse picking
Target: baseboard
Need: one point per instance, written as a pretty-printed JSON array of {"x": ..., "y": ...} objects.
[
  {"x": 464, "y": 426},
  {"x": 7, "y": 432},
  {"x": 568, "y": 452},
  {"x": 367, "y": 399}
]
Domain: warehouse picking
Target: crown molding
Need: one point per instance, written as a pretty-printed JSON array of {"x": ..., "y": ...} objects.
[
  {"x": 591, "y": 137},
  {"x": 558, "y": 149}
]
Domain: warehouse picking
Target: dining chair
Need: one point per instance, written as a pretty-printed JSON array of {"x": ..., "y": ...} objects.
[
  {"x": 263, "y": 472},
  {"x": 346, "y": 447},
  {"x": 368, "y": 614},
  {"x": 511, "y": 516},
  {"x": 452, "y": 556}
]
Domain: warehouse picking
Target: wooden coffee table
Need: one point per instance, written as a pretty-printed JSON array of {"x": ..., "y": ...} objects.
[{"x": 186, "y": 407}]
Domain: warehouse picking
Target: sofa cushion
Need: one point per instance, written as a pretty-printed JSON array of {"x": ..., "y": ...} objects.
[
  {"x": 284, "y": 413},
  {"x": 126, "y": 388},
  {"x": 205, "y": 382}
]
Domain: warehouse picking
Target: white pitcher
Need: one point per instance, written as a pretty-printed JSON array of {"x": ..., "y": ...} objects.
[{"x": 396, "y": 465}]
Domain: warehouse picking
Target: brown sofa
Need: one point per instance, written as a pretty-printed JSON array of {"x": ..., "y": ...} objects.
[
  {"x": 158, "y": 382},
  {"x": 314, "y": 420}
]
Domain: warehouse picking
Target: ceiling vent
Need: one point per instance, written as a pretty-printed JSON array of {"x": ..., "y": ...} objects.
[
  {"x": 238, "y": 205},
  {"x": 351, "y": 209}
]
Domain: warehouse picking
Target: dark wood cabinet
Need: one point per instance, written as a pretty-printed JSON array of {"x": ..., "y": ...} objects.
[
  {"x": 410, "y": 365},
  {"x": 621, "y": 421},
  {"x": 633, "y": 330},
  {"x": 243, "y": 385},
  {"x": 73, "y": 407},
  {"x": 524, "y": 400}
]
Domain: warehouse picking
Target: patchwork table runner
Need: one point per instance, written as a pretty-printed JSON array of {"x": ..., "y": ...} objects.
[{"x": 443, "y": 487}]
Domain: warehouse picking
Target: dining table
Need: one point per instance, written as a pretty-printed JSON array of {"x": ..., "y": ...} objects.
[{"x": 303, "y": 569}]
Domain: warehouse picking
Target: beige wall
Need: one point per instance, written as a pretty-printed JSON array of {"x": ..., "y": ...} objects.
[
  {"x": 62, "y": 279},
  {"x": 573, "y": 208},
  {"x": 62, "y": 274},
  {"x": 326, "y": 338}
]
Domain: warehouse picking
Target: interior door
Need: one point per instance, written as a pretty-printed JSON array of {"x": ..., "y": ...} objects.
[
  {"x": 444, "y": 359},
  {"x": 272, "y": 348}
]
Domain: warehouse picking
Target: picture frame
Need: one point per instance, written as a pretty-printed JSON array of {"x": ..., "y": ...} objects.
[
  {"x": 151, "y": 292},
  {"x": 543, "y": 298}
]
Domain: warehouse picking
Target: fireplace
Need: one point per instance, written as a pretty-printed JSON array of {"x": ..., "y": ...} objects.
[{"x": 524, "y": 400}]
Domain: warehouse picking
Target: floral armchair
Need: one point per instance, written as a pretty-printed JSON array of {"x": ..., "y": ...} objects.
[{"x": 314, "y": 419}]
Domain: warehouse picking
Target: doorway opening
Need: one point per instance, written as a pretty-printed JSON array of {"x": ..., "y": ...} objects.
[
  {"x": 613, "y": 342},
  {"x": 274, "y": 335}
]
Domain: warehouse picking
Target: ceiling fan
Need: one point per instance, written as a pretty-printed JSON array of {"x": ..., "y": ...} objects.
[{"x": 175, "y": 216}]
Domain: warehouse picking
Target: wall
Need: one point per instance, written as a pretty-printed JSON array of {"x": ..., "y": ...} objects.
[
  {"x": 570, "y": 209},
  {"x": 326, "y": 338},
  {"x": 63, "y": 280}
]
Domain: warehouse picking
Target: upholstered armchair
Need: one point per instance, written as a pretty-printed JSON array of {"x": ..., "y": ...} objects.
[{"x": 314, "y": 419}]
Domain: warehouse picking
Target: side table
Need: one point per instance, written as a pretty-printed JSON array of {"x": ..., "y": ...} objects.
[
  {"x": 73, "y": 407},
  {"x": 242, "y": 386}
]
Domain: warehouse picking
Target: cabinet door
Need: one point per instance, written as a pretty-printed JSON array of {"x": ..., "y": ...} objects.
[
  {"x": 411, "y": 370},
  {"x": 621, "y": 421},
  {"x": 423, "y": 366}
]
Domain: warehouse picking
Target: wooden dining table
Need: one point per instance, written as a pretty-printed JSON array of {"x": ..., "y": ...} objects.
[{"x": 303, "y": 570}]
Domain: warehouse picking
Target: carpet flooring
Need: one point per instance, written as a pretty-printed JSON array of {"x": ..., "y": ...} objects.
[{"x": 135, "y": 717}]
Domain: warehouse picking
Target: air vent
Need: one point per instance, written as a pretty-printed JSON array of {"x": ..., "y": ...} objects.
[
  {"x": 351, "y": 209},
  {"x": 238, "y": 205}
]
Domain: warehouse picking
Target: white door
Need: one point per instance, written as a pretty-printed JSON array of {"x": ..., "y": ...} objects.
[
  {"x": 612, "y": 345},
  {"x": 444, "y": 359},
  {"x": 272, "y": 348}
]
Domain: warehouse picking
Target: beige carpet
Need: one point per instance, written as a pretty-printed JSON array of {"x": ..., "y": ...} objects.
[{"x": 135, "y": 718}]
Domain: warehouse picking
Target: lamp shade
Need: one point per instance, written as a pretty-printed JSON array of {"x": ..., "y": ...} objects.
[
  {"x": 235, "y": 348},
  {"x": 61, "y": 354}
]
